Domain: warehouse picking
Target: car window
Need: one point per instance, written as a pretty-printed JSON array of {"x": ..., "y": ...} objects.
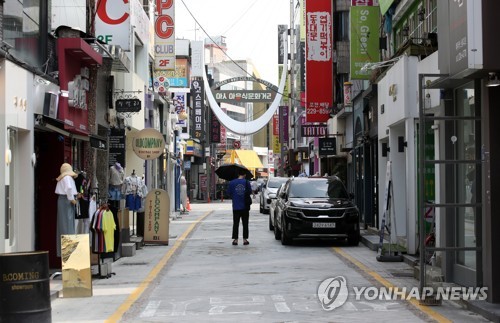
[
  {"x": 275, "y": 182},
  {"x": 321, "y": 188}
]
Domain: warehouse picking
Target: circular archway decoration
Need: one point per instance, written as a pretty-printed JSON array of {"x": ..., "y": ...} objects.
[{"x": 250, "y": 127}]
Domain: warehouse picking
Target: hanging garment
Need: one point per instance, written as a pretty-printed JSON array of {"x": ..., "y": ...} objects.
[{"x": 108, "y": 229}]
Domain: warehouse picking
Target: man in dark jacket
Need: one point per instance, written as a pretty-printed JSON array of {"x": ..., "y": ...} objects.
[{"x": 238, "y": 189}]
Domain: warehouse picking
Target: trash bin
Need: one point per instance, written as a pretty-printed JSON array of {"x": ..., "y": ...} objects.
[{"x": 25, "y": 287}]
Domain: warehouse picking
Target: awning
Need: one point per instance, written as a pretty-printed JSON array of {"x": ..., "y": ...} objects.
[{"x": 247, "y": 158}]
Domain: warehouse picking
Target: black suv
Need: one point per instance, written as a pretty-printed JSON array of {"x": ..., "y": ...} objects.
[{"x": 315, "y": 207}]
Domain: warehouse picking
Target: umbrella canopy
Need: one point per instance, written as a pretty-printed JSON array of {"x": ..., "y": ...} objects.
[{"x": 231, "y": 171}]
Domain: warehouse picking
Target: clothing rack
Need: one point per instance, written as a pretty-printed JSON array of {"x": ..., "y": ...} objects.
[{"x": 104, "y": 263}]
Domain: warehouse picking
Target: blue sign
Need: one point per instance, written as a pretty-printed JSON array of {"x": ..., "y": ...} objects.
[{"x": 177, "y": 81}]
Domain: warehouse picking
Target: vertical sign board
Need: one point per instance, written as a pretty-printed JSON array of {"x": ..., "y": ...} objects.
[
  {"x": 117, "y": 147},
  {"x": 319, "y": 66},
  {"x": 156, "y": 217},
  {"x": 164, "y": 35},
  {"x": 283, "y": 124},
  {"x": 276, "y": 137},
  {"x": 386, "y": 205},
  {"x": 180, "y": 106},
  {"x": 281, "y": 45},
  {"x": 365, "y": 22},
  {"x": 198, "y": 97},
  {"x": 215, "y": 133}
]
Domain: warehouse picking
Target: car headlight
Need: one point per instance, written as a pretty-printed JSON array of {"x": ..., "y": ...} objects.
[
  {"x": 352, "y": 213},
  {"x": 293, "y": 212}
]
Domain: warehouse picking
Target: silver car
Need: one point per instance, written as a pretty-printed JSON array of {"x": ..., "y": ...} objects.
[
  {"x": 271, "y": 186},
  {"x": 272, "y": 198}
]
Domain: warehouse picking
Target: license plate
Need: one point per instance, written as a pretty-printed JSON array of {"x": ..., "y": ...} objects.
[{"x": 323, "y": 224}]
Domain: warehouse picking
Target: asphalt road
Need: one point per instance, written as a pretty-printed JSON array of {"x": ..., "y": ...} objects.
[{"x": 201, "y": 277}]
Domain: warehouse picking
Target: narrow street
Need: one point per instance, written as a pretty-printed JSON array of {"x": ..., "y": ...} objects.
[{"x": 201, "y": 277}]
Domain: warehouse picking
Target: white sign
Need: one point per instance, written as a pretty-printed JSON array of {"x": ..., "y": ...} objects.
[
  {"x": 112, "y": 23},
  {"x": 164, "y": 35}
]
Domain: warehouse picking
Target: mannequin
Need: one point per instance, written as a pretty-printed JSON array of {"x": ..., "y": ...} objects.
[
  {"x": 66, "y": 191},
  {"x": 134, "y": 191},
  {"x": 82, "y": 207},
  {"x": 116, "y": 177},
  {"x": 183, "y": 195}
]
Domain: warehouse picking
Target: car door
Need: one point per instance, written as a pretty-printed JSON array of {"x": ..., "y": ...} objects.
[{"x": 280, "y": 204}]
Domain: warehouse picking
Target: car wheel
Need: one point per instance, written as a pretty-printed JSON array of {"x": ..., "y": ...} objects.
[
  {"x": 285, "y": 239},
  {"x": 277, "y": 232},
  {"x": 271, "y": 227},
  {"x": 353, "y": 239}
]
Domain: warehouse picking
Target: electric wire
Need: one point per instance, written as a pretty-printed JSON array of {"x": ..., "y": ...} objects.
[{"x": 227, "y": 55}]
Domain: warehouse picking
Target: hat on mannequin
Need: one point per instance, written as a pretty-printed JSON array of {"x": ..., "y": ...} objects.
[{"x": 66, "y": 170}]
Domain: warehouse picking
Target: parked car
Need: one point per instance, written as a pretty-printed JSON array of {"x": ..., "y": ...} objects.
[
  {"x": 272, "y": 206},
  {"x": 316, "y": 208},
  {"x": 271, "y": 186}
]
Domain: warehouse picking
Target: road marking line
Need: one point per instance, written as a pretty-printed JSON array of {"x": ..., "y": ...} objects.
[
  {"x": 134, "y": 296},
  {"x": 282, "y": 307},
  {"x": 150, "y": 309},
  {"x": 425, "y": 309}
]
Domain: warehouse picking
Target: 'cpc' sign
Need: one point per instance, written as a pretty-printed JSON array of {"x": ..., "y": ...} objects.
[
  {"x": 164, "y": 35},
  {"x": 148, "y": 144}
]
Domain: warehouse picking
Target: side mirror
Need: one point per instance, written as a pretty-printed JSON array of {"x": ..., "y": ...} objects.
[{"x": 268, "y": 201}]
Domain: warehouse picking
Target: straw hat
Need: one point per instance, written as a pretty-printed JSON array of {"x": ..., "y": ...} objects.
[{"x": 66, "y": 170}]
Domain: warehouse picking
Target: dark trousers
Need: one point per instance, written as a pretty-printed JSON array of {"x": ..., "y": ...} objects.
[{"x": 243, "y": 214}]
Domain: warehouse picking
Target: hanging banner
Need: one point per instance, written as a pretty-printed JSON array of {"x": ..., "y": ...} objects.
[
  {"x": 148, "y": 144},
  {"x": 198, "y": 96},
  {"x": 215, "y": 132},
  {"x": 156, "y": 217},
  {"x": 283, "y": 124},
  {"x": 276, "y": 137},
  {"x": 364, "y": 40},
  {"x": 180, "y": 107},
  {"x": 319, "y": 66},
  {"x": 164, "y": 35}
]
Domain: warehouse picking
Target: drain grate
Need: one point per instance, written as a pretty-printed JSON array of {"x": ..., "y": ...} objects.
[
  {"x": 402, "y": 274},
  {"x": 135, "y": 263}
]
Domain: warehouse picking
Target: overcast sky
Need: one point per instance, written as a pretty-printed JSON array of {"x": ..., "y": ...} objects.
[{"x": 250, "y": 28}]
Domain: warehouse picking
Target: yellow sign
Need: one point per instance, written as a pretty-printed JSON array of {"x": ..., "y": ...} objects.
[
  {"x": 156, "y": 217},
  {"x": 75, "y": 258},
  {"x": 148, "y": 144},
  {"x": 276, "y": 145}
]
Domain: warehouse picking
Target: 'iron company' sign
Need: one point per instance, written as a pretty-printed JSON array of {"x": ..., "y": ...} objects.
[{"x": 148, "y": 144}]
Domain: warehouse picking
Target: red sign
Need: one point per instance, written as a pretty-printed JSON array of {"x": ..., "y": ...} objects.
[
  {"x": 319, "y": 66},
  {"x": 276, "y": 128},
  {"x": 237, "y": 144}
]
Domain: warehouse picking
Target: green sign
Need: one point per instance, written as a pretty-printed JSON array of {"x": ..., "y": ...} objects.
[
  {"x": 365, "y": 21},
  {"x": 385, "y": 5}
]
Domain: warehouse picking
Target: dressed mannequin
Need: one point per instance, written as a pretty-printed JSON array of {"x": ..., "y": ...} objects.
[
  {"x": 116, "y": 177},
  {"x": 82, "y": 207},
  {"x": 134, "y": 191},
  {"x": 183, "y": 195},
  {"x": 66, "y": 189}
]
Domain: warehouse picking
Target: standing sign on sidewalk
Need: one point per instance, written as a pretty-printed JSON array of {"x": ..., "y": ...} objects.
[{"x": 156, "y": 217}]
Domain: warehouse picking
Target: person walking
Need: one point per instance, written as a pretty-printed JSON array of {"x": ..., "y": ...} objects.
[{"x": 238, "y": 189}]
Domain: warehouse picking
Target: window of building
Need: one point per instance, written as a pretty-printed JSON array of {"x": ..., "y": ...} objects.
[{"x": 24, "y": 22}]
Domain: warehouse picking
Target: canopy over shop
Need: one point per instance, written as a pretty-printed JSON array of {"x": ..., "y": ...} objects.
[{"x": 247, "y": 158}]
